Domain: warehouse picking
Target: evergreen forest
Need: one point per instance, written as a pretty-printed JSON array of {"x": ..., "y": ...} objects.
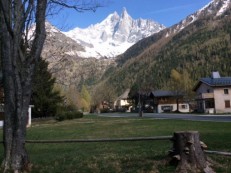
[{"x": 197, "y": 50}]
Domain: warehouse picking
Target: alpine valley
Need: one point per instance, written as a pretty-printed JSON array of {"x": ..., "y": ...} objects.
[
  {"x": 197, "y": 45},
  {"x": 83, "y": 55}
]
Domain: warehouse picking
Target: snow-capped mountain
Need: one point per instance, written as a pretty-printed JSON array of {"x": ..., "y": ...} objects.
[
  {"x": 215, "y": 8},
  {"x": 198, "y": 45},
  {"x": 70, "y": 69},
  {"x": 112, "y": 36},
  {"x": 109, "y": 38}
]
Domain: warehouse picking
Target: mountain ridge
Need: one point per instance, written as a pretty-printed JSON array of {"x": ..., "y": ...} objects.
[
  {"x": 202, "y": 39},
  {"x": 64, "y": 54},
  {"x": 113, "y": 35},
  {"x": 151, "y": 59},
  {"x": 176, "y": 28}
]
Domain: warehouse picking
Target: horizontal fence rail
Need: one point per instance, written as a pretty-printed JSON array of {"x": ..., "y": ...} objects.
[
  {"x": 218, "y": 152},
  {"x": 102, "y": 140},
  {"x": 156, "y": 138}
]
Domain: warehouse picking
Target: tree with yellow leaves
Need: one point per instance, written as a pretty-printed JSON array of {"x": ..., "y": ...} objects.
[
  {"x": 85, "y": 99},
  {"x": 181, "y": 85}
]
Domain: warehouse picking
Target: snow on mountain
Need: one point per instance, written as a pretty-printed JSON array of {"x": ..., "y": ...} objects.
[
  {"x": 224, "y": 7},
  {"x": 58, "y": 46},
  {"x": 113, "y": 36},
  {"x": 61, "y": 52},
  {"x": 215, "y": 8}
]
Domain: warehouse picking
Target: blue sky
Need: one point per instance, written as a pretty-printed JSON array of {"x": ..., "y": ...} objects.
[{"x": 166, "y": 12}]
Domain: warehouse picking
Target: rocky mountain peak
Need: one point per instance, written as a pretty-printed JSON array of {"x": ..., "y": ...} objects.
[
  {"x": 125, "y": 14},
  {"x": 114, "y": 35},
  {"x": 115, "y": 16}
]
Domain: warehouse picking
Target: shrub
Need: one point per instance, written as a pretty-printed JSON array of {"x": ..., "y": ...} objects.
[
  {"x": 67, "y": 113},
  {"x": 60, "y": 117}
]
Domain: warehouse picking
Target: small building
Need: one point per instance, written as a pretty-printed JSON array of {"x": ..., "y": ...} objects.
[
  {"x": 2, "y": 115},
  {"x": 122, "y": 102},
  {"x": 213, "y": 94},
  {"x": 140, "y": 101},
  {"x": 2, "y": 108},
  {"x": 167, "y": 101}
]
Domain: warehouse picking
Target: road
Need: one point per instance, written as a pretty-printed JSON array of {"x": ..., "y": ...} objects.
[{"x": 192, "y": 117}]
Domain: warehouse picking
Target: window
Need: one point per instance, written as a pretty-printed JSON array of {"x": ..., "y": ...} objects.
[
  {"x": 226, "y": 91},
  {"x": 167, "y": 108},
  {"x": 209, "y": 104},
  {"x": 227, "y": 103},
  {"x": 184, "y": 106}
]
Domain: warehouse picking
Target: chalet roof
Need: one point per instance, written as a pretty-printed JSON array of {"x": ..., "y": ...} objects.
[
  {"x": 214, "y": 82},
  {"x": 124, "y": 96},
  {"x": 222, "y": 81},
  {"x": 163, "y": 93}
]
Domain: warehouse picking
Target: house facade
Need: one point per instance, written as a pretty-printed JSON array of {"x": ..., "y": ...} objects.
[
  {"x": 168, "y": 101},
  {"x": 213, "y": 94},
  {"x": 122, "y": 102}
]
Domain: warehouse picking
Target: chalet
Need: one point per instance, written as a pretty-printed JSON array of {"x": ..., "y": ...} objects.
[
  {"x": 213, "y": 94},
  {"x": 122, "y": 103},
  {"x": 167, "y": 101},
  {"x": 140, "y": 100},
  {"x": 160, "y": 101}
]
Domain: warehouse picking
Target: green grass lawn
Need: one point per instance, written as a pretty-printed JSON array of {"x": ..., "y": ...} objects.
[{"x": 108, "y": 157}]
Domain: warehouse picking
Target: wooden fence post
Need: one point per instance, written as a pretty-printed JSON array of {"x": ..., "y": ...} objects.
[{"x": 188, "y": 154}]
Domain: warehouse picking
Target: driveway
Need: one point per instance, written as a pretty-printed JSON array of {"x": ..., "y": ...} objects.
[{"x": 192, "y": 117}]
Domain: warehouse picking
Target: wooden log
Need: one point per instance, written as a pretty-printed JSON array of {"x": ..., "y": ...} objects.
[{"x": 188, "y": 155}]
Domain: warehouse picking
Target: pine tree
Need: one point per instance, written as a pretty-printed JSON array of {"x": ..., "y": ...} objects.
[{"x": 45, "y": 100}]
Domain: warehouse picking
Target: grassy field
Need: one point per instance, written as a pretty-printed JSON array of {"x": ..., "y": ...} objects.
[{"x": 108, "y": 157}]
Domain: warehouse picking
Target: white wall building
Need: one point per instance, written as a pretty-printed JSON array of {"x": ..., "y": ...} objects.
[
  {"x": 2, "y": 114},
  {"x": 183, "y": 107},
  {"x": 122, "y": 101},
  {"x": 214, "y": 94}
]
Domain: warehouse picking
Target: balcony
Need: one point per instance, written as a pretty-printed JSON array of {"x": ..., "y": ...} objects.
[{"x": 205, "y": 96}]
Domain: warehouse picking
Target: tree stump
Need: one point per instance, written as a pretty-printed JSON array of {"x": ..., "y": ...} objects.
[{"x": 188, "y": 154}]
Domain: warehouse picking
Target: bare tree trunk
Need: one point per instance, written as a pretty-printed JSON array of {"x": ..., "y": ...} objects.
[
  {"x": 188, "y": 154},
  {"x": 17, "y": 96},
  {"x": 18, "y": 57},
  {"x": 18, "y": 67},
  {"x": 177, "y": 104},
  {"x": 15, "y": 132}
]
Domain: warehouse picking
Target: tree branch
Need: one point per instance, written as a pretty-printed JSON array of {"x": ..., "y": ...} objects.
[
  {"x": 6, "y": 15},
  {"x": 40, "y": 32},
  {"x": 78, "y": 7}
]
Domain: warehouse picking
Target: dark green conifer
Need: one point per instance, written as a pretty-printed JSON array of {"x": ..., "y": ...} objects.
[{"x": 45, "y": 99}]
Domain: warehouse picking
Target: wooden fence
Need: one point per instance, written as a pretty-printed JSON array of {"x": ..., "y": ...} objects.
[
  {"x": 155, "y": 138},
  {"x": 102, "y": 140}
]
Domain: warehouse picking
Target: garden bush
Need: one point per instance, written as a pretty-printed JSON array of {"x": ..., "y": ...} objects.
[{"x": 67, "y": 113}]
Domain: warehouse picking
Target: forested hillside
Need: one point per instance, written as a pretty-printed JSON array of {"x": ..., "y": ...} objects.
[{"x": 200, "y": 48}]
